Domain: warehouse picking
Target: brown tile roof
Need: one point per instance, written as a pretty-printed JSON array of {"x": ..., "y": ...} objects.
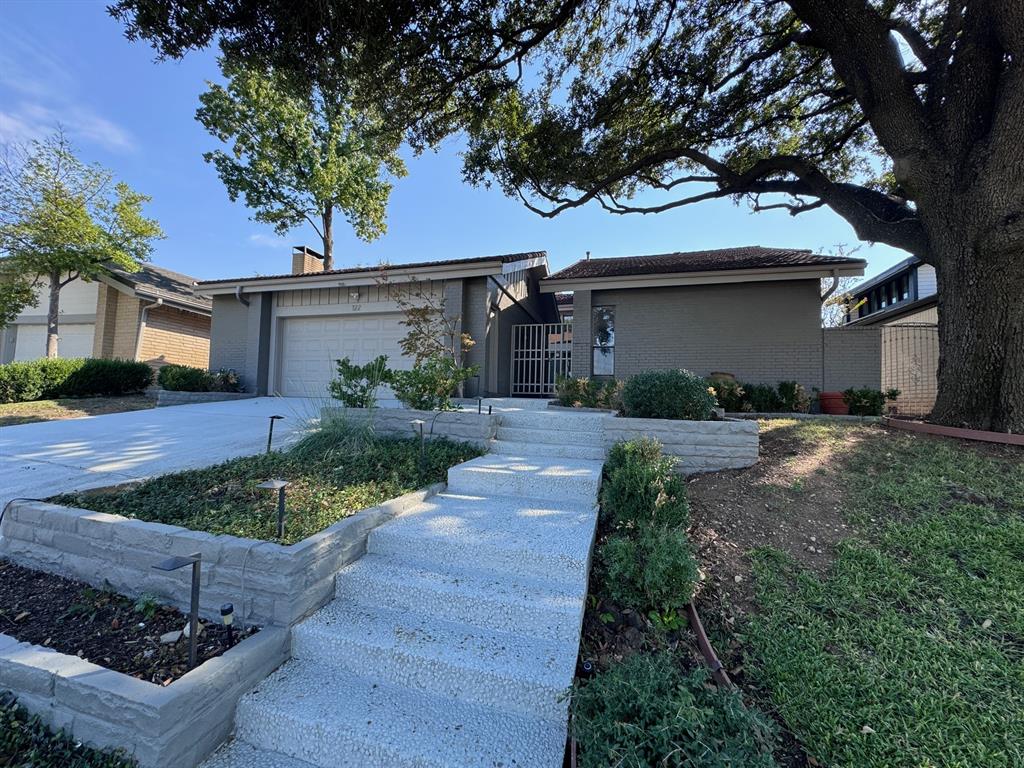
[
  {"x": 563, "y": 298},
  {"x": 505, "y": 258},
  {"x": 746, "y": 257},
  {"x": 163, "y": 284}
]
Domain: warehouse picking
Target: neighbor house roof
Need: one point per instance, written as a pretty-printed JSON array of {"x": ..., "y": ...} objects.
[
  {"x": 152, "y": 282},
  {"x": 888, "y": 274},
  {"x": 749, "y": 262},
  {"x": 896, "y": 311},
  {"x": 484, "y": 263}
]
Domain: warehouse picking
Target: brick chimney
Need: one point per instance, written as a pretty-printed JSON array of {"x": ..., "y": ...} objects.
[{"x": 306, "y": 260}]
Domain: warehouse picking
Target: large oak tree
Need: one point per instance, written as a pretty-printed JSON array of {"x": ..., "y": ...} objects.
[{"x": 905, "y": 118}]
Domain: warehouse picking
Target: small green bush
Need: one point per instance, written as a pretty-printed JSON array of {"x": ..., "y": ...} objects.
[
  {"x": 429, "y": 386},
  {"x": 647, "y": 712},
  {"x": 644, "y": 449},
  {"x": 676, "y": 394},
  {"x": 71, "y": 377},
  {"x": 868, "y": 402},
  {"x": 794, "y": 397},
  {"x": 642, "y": 492},
  {"x": 26, "y": 742},
  {"x": 573, "y": 392},
  {"x": 652, "y": 569},
  {"x": 187, "y": 378},
  {"x": 730, "y": 395},
  {"x": 763, "y": 398},
  {"x": 356, "y": 385}
]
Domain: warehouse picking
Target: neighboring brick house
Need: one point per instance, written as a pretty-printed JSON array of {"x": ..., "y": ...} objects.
[{"x": 153, "y": 315}]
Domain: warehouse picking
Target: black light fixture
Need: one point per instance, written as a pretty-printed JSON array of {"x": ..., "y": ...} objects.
[
  {"x": 173, "y": 564},
  {"x": 270, "y": 434},
  {"x": 227, "y": 615},
  {"x": 279, "y": 486},
  {"x": 417, "y": 424}
]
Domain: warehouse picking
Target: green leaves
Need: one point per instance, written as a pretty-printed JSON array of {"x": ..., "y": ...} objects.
[{"x": 295, "y": 154}]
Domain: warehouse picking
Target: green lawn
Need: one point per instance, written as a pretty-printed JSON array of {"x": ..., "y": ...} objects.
[
  {"x": 12, "y": 414},
  {"x": 332, "y": 474},
  {"x": 910, "y": 652}
]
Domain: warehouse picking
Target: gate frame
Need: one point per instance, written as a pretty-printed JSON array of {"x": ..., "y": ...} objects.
[{"x": 542, "y": 360}]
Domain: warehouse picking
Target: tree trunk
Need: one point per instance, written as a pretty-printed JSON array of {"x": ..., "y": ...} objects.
[
  {"x": 328, "y": 237},
  {"x": 53, "y": 315},
  {"x": 981, "y": 338}
]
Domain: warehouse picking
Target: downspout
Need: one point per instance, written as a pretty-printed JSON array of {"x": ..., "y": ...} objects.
[
  {"x": 515, "y": 301},
  {"x": 142, "y": 325},
  {"x": 239, "y": 297},
  {"x": 824, "y": 298},
  {"x": 832, "y": 288}
]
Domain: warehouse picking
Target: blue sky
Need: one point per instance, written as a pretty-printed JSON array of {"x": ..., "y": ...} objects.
[{"x": 68, "y": 62}]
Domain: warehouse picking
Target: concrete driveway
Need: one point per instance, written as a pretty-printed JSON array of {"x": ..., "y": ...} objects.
[{"x": 40, "y": 460}]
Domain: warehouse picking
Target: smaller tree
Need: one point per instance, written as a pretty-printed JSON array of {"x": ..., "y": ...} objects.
[
  {"x": 299, "y": 153},
  {"x": 60, "y": 221},
  {"x": 835, "y": 308},
  {"x": 433, "y": 331}
]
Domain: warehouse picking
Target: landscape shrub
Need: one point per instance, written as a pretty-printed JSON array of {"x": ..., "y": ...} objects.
[
  {"x": 72, "y": 377},
  {"x": 625, "y": 451},
  {"x": 730, "y": 395},
  {"x": 648, "y": 711},
  {"x": 356, "y": 385},
  {"x": 644, "y": 490},
  {"x": 673, "y": 394},
  {"x": 187, "y": 378},
  {"x": 429, "y": 386},
  {"x": 573, "y": 392},
  {"x": 794, "y": 397},
  {"x": 763, "y": 398},
  {"x": 868, "y": 402},
  {"x": 650, "y": 569}
]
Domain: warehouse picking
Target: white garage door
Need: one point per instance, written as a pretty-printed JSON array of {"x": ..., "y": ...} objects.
[
  {"x": 75, "y": 341},
  {"x": 311, "y": 345}
]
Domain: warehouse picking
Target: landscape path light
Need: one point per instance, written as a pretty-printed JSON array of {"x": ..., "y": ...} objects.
[
  {"x": 227, "y": 615},
  {"x": 279, "y": 486},
  {"x": 173, "y": 564},
  {"x": 270, "y": 434},
  {"x": 417, "y": 424}
]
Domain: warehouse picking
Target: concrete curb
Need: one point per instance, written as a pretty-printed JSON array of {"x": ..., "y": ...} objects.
[
  {"x": 174, "y": 726},
  {"x": 166, "y": 397}
]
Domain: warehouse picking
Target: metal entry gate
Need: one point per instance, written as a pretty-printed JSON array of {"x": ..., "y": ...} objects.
[{"x": 541, "y": 353}]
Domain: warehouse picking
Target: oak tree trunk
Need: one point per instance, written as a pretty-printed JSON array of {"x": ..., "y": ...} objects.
[
  {"x": 981, "y": 337},
  {"x": 53, "y": 315},
  {"x": 328, "y": 238}
]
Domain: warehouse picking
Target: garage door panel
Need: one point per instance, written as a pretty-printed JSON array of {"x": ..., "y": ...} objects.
[
  {"x": 75, "y": 340},
  {"x": 311, "y": 345}
]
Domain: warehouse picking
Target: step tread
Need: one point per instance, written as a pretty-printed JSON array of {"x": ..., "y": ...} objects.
[
  {"x": 514, "y": 448},
  {"x": 336, "y": 719},
  {"x": 239, "y": 754},
  {"x": 550, "y": 436},
  {"x": 432, "y": 640}
]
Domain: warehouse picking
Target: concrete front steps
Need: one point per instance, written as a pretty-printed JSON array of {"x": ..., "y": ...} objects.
[
  {"x": 452, "y": 642},
  {"x": 551, "y": 434}
]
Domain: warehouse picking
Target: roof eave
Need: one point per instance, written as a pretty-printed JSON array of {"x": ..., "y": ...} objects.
[{"x": 710, "y": 277}]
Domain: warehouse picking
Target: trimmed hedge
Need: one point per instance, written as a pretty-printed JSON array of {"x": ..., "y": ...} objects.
[
  {"x": 675, "y": 394},
  {"x": 71, "y": 377},
  {"x": 185, "y": 378}
]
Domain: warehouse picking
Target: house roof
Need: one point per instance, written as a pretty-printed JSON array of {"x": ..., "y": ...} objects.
[
  {"x": 506, "y": 258},
  {"x": 888, "y": 274},
  {"x": 895, "y": 312},
  {"x": 159, "y": 283},
  {"x": 563, "y": 299},
  {"x": 724, "y": 259}
]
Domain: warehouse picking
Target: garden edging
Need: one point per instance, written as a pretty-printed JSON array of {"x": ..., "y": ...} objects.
[
  {"x": 173, "y": 726},
  {"x": 267, "y": 582}
]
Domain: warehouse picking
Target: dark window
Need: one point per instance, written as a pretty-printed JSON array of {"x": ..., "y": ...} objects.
[
  {"x": 604, "y": 341},
  {"x": 904, "y": 287}
]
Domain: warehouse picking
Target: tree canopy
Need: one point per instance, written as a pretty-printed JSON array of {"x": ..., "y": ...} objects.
[
  {"x": 901, "y": 116},
  {"x": 298, "y": 152},
  {"x": 63, "y": 220}
]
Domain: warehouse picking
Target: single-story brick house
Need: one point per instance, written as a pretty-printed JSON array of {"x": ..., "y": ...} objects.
[
  {"x": 754, "y": 312},
  {"x": 153, "y": 315}
]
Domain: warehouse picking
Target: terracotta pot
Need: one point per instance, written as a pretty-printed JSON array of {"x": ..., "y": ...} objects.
[{"x": 832, "y": 403}]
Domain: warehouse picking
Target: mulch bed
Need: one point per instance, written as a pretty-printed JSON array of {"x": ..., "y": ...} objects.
[{"x": 102, "y": 626}]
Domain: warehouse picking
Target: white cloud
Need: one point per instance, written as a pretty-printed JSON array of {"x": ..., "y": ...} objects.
[
  {"x": 27, "y": 67},
  {"x": 267, "y": 241}
]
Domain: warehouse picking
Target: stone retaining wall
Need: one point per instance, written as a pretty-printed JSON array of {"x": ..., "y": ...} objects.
[
  {"x": 699, "y": 446},
  {"x": 267, "y": 582},
  {"x": 174, "y": 726},
  {"x": 167, "y": 397},
  {"x": 476, "y": 428}
]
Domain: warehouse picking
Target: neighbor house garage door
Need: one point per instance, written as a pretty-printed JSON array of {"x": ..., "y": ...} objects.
[
  {"x": 311, "y": 345},
  {"x": 75, "y": 340}
]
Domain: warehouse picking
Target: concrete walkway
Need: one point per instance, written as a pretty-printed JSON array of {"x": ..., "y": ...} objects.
[
  {"x": 40, "y": 460},
  {"x": 453, "y": 641}
]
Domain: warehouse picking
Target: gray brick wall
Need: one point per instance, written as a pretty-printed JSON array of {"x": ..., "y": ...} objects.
[
  {"x": 853, "y": 358},
  {"x": 228, "y": 330},
  {"x": 758, "y": 331}
]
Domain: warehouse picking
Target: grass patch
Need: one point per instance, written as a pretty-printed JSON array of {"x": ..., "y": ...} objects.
[
  {"x": 333, "y": 473},
  {"x": 12, "y": 414},
  {"x": 911, "y": 651},
  {"x": 26, "y": 742}
]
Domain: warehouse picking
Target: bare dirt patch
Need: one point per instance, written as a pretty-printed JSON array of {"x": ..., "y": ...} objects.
[
  {"x": 101, "y": 626},
  {"x": 791, "y": 500},
  {"x": 13, "y": 414}
]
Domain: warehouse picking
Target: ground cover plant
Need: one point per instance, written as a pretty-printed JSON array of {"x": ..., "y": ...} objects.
[
  {"x": 70, "y": 408},
  {"x": 102, "y": 626},
  {"x": 652, "y": 702},
  {"x": 333, "y": 472},
  {"x": 866, "y": 585},
  {"x": 26, "y": 742}
]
